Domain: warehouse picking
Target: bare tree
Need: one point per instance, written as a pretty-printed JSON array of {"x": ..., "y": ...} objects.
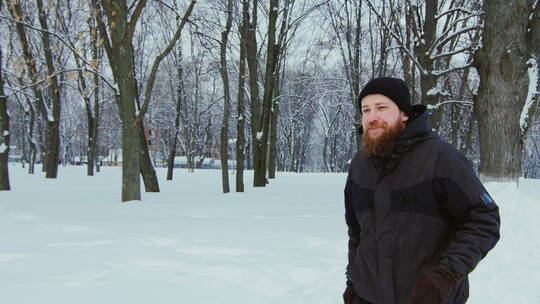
[
  {"x": 263, "y": 129},
  {"x": 287, "y": 30},
  {"x": 117, "y": 37},
  {"x": 4, "y": 129},
  {"x": 435, "y": 32},
  {"x": 502, "y": 95},
  {"x": 226, "y": 100},
  {"x": 178, "y": 106},
  {"x": 346, "y": 20},
  {"x": 240, "y": 132},
  {"x": 49, "y": 112}
]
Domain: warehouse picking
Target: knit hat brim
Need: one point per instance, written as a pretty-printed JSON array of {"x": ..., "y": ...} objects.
[{"x": 393, "y": 88}]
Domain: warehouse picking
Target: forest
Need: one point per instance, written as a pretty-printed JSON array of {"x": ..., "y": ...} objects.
[{"x": 258, "y": 85}]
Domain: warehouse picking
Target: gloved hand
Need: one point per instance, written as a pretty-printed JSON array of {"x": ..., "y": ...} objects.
[
  {"x": 434, "y": 286},
  {"x": 349, "y": 294}
]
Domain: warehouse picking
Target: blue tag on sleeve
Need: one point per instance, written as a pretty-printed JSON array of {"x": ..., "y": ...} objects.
[{"x": 486, "y": 199}]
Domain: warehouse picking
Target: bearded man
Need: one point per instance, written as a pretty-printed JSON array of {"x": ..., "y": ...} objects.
[{"x": 418, "y": 218}]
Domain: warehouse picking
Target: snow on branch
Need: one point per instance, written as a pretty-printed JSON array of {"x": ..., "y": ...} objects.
[
  {"x": 450, "y": 53},
  {"x": 442, "y": 40},
  {"x": 532, "y": 94},
  {"x": 438, "y": 105},
  {"x": 443, "y": 72},
  {"x": 3, "y": 148},
  {"x": 437, "y": 92}
]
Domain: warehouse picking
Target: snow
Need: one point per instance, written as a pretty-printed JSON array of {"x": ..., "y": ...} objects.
[
  {"x": 432, "y": 92},
  {"x": 259, "y": 135},
  {"x": 71, "y": 241},
  {"x": 437, "y": 91},
  {"x": 3, "y": 148},
  {"x": 531, "y": 93},
  {"x": 438, "y": 105},
  {"x": 6, "y": 133},
  {"x": 50, "y": 116}
]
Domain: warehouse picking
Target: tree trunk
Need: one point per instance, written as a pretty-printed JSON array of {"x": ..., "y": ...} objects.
[
  {"x": 41, "y": 143},
  {"x": 263, "y": 129},
  {"x": 533, "y": 42},
  {"x": 131, "y": 182},
  {"x": 240, "y": 135},
  {"x": 408, "y": 65},
  {"x": 272, "y": 153},
  {"x": 147, "y": 169},
  {"x": 4, "y": 133},
  {"x": 179, "y": 98},
  {"x": 427, "y": 80},
  {"x": 53, "y": 151},
  {"x": 325, "y": 154},
  {"x": 31, "y": 142},
  {"x": 172, "y": 155},
  {"x": 170, "y": 159},
  {"x": 251, "y": 54},
  {"x": 120, "y": 53},
  {"x": 49, "y": 151},
  {"x": 91, "y": 148},
  {"x": 224, "y": 155},
  {"x": 53, "y": 126},
  {"x": 502, "y": 66},
  {"x": 93, "y": 120},
  {"x": 94, "y": 151}
]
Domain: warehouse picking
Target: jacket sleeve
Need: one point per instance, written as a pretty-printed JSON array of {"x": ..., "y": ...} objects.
[
  {"x": 352, "y": 223},
  {"x": 474, "y": 214}
]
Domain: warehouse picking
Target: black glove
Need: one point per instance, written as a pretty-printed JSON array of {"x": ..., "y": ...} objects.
[
  {"x": 434, "y": 286},
  {"x": 349, "y": 294}
]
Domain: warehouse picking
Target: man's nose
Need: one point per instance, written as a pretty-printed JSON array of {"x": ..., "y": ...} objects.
[{"x": 371, "y": 117}]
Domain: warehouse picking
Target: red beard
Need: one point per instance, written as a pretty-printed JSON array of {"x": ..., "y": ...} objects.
[{"x": 384, "y": 144}]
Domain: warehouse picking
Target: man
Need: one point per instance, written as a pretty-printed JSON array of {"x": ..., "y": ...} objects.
[{"x": 418, "y": 218}]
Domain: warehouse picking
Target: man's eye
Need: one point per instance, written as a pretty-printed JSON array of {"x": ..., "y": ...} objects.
[{"x": 365, "y": 110}]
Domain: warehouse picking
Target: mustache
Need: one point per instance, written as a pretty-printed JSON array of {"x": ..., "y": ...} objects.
[{"x": 379, "y": 124}]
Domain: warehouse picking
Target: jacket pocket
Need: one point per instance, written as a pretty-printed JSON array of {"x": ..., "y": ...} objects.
[
  {"x": 417, "y": 199},
  {"x": 363, "y": 198}
]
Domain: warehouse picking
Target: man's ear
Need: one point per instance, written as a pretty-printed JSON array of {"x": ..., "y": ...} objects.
[{"x": 404, "y": 117}]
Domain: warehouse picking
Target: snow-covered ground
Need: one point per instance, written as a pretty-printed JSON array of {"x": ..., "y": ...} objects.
[{"x": 71, "y": 241}]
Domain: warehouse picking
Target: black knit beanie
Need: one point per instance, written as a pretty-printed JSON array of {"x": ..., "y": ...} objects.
[{"x": 393, "y": 88}]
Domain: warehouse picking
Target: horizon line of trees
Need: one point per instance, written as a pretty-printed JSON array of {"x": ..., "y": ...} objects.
[{"x": 273, "y": 86}]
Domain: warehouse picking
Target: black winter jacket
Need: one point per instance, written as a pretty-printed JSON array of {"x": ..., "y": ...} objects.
[{"x": 420, "y": 206}]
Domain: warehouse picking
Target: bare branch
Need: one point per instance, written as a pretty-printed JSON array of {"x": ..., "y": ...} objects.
[
  {"x": 132, "y": 23},
  {"x": 159, "y": 58},
  {"x": 40, "y": 81},
  {"x": 456, "y": 51},
  {"x": 443, "y": 72},
  {"x": 442, "y": 41},
  {"x": 411, "y": 55},
  {"x": 461, "y": 102},
  {"x": 460, "y": 9}
]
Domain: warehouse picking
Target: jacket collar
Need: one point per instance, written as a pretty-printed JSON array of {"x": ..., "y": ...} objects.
[{"x": 417, "y": 130}]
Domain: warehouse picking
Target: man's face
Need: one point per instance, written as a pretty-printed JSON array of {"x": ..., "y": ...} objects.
[
  {"x": 382, "y": 122},
  {"x": 379, "y": 113}
]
